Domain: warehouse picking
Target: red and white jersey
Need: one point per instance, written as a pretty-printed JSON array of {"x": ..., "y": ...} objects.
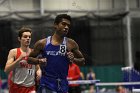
[{"x": 24, "y": 73}]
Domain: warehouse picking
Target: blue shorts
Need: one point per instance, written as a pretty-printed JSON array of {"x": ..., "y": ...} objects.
[{"x": 47, "y": 90}]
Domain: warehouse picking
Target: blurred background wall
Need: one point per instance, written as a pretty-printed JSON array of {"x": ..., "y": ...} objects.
[{"x": 107, "y": 31}]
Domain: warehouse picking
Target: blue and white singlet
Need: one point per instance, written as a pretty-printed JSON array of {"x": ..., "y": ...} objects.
[{"x": 54, "y": 73}]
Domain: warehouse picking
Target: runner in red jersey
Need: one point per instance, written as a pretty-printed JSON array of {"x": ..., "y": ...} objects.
[{"x": 22, "y": 79}]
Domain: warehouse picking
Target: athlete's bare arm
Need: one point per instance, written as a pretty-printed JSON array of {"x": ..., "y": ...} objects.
[
  {"x": 11, "y": 62},
  {"x": 38, "y": 72},
  {"x": 74, "y": 53},
  {"x": 38, "y": 49}
]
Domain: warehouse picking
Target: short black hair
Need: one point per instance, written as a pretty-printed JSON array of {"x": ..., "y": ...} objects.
[
  {"x": 59, "y": 18},
  {"x": 24, "y": 29}
]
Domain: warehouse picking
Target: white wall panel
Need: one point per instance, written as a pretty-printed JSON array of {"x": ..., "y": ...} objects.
[
  {"x": 105, "y": 4},
  {"x": 5, "y": 5},
  {"x": 132, "y": 3},
  {"x": 55, "y": 4},
  {"x": 119, "y": 4},
  {"x": 80, "y": 5},
  {"x": 22, "y": 5},
  {"x": 70, "y": 5},
  {"x": 65, "y": 5}
]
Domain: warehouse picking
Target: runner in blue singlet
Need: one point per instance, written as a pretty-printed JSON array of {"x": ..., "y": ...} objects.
[{"x": 57, "y": 52}]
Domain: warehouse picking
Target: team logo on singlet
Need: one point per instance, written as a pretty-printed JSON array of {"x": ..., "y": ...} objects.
[
  {"x": 61, "y": 52},
  {"x": 24, "y": 64}
]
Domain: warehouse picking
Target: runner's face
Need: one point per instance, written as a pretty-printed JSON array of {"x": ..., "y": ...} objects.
[
  {"x": 25, "y": 39},
  {"x": 63, "y": 27}
]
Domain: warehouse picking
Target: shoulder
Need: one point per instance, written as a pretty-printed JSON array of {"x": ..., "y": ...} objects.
[
  {"x": 72, "y": 45},
  {"x": 41, "y": 42},
  {"x": 93, "y": 74},
  {"x": 71, "y": 42},
  {"x": 13, "y": 52}
]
